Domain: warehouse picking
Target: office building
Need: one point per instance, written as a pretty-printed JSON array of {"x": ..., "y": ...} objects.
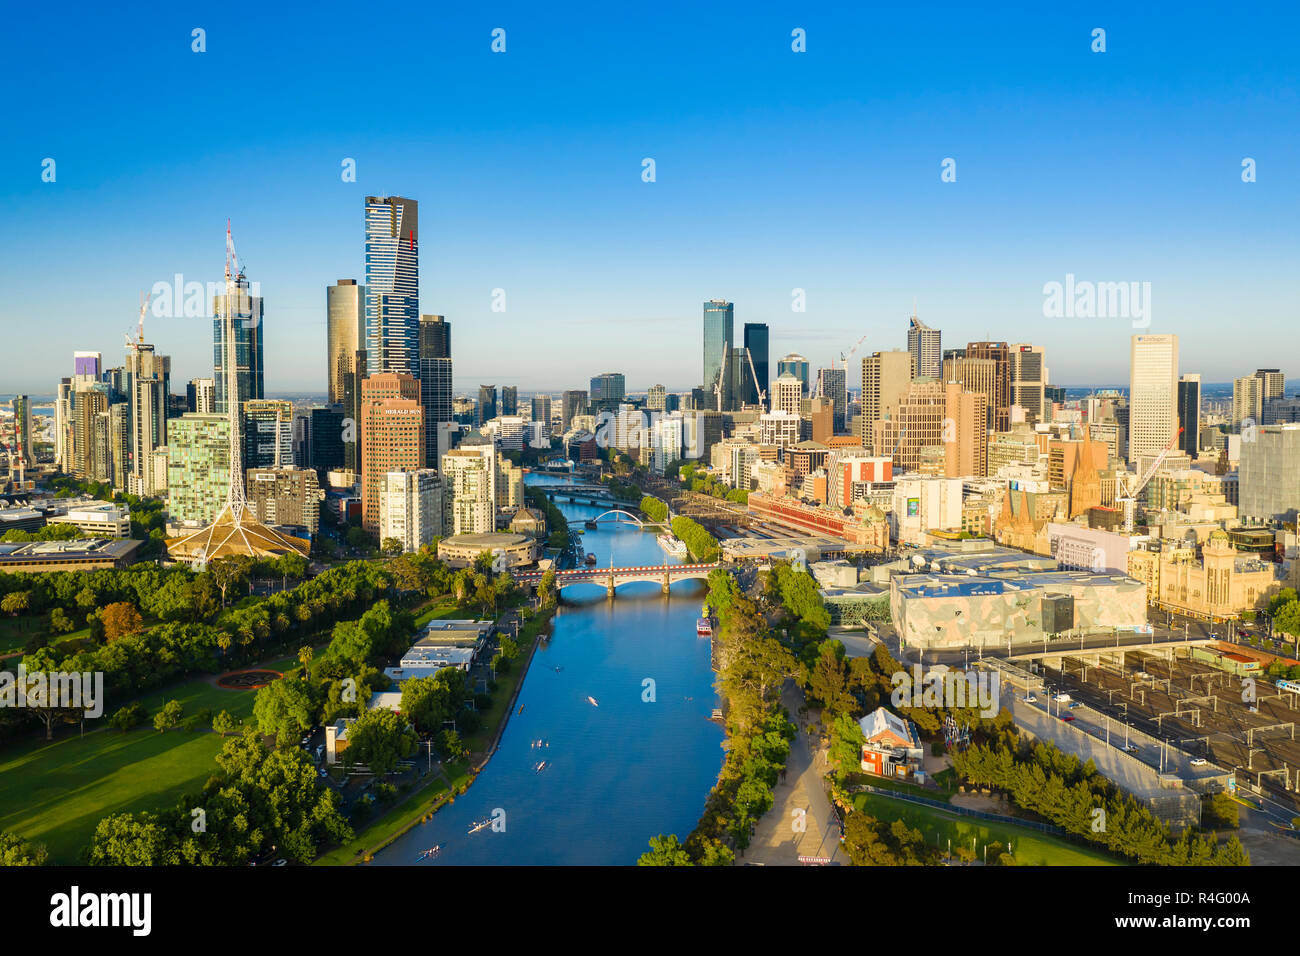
[
  {"x": 719, "y": 339},
  {"x": 1269, "y": 475},
  {"x": 923, "y": 344},
  {"x": 285, "y": 496},
  {"x": 1028, "y": 380},
  {"x": 1189, "y": 413},
  {"x": 965, "y": 439},
  {"x": 796, "y": 365},
  {"x": 1153, "y": 394},
  {"x": 487, "y": 404},
  {"x": 345, "y": 307},
  {"x": 1273, "y": 383},
  {"x": 974, "y": 375},
  {"x": 787, "y": 395},
  {"x": 201, "y": 396},
  {"x": 756, "y": 343},
  {"x": 392, "y": 435},
  {"x": 832, "y": 384},
  {"x": 607, "y": 392},
  {"x": 435, "y": 379},
  {"x": 885, "y": 380},
  {"x": 326, "y": 452},
  {"x": 572, "y": 402},
  {"x": 656, "y": 398},
  {"x": 509, "y": 400},
  {"x": 541, "y": 411},
  {"x": 391, "y": 326},
  {"x": 1000, "y": 354},
  {"x": 352, "y": 412},
  {"x": 246, "y": 314}
]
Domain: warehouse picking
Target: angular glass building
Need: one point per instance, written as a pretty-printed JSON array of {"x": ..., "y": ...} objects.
[
  {"x": 719, "y": 335},
  {"x": 246, "y": 316}
]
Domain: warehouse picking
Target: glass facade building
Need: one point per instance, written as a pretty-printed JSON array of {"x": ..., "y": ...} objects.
[
  {"x": 392, "y": 291},
  {"x": 246, "y": 314},
  {"x": 719, "y": 335}
]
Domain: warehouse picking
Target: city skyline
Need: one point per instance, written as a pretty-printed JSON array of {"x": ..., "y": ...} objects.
[{"x": 557, "y": 214}]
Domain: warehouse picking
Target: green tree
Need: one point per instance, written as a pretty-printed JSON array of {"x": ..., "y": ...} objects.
[
  {"x": 665, "y": 851},
  {"x": 224, "y": 723},
  {"x": 128, "y": 716},
  {"x": 378, "y": 739},
  {"x": 169, "y": 717},
  {"x": 15, "y": 851},
  {"x": 284, "y": 709}
]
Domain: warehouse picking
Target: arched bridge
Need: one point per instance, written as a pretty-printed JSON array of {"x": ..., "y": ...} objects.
[
  {"x": 661, "y": 574},
  {"x": 616, "y": 519}
]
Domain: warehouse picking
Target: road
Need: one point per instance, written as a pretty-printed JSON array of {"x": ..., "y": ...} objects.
[{"x": 777, "y": 841}]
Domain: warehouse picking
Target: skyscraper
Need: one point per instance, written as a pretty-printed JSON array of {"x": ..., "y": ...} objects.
[
  {"x": 796, "y": 365},
  {"x": 345, "y": 314},
  {"x": 975, "y": 375},
  {"x": 719, "y": 336},
  {"x": 246, "y": 318},
  {"x": 201, "y": 396},
  {"x": 885, "y": 377},
  {"x": 832, "y": 384},
  {"x": 487, "y": 403},
  {"x": 756, "y": 342},
  {"x": 411, "y": 507},
  {"x": 392, "y": 435},
  {"x": 268, "y": 433},
  {"x": 1153, "y": 393},
  {"x": 392, "y": 293},
  {"x": 1028, "y": 378},
  {"x": 148, "y": 376},
  {"x": 787, "y": 394},
  {"x": 1000, "y": 353},
  {"x": 509, "y": 400},
  {"x": 1189, "y": 413},
  {"x": 541, "y": 410},
  {"x": 63, "y": 425},
  {"x": 86, "y": 369},
  {"x": 20, "y": 442},
  {"x": 435, "y": 379},
  {"x": 923, "y": 343},
  {"x": 1274, "y": 383},
  {"x": 608, "y": 389},
  {"x": 1247, "y": 399},
  {"x": 91, "y": 450},
  {"x": 198, "y": 467},
  {"x": 573, "y": 402}
]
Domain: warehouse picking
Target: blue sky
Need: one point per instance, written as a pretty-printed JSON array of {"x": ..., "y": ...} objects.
[{"x": 775, "y": 170}]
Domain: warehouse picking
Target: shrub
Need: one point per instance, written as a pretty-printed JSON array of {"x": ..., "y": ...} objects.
[{"x": 129, "y": 716}]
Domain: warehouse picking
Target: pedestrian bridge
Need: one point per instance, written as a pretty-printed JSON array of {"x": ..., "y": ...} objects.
[
  {"x": 661, "y": 574},
  {"x": 618, "y": 516}
]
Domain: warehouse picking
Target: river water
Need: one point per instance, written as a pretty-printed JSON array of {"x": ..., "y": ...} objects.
[{"x": 617, "y": 773}]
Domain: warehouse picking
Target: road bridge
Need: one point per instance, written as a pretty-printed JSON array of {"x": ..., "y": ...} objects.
[{"x": 661, "y": 574}]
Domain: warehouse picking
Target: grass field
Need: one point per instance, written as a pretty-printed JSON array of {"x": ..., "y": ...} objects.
[
  {"x": 70, "y": 784},
  {"x": 1029, "y": 847}
]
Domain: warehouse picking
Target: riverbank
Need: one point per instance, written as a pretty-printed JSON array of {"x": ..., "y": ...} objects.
[{"x": 453, "y": 779}]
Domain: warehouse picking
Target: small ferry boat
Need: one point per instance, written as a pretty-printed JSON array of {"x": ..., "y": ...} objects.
[
  {"x": 672, "y": 545},
  {"x": 590, "y": 559},
  {"x": 482, "y": 824},
  {"x": 704, "y": 627}
]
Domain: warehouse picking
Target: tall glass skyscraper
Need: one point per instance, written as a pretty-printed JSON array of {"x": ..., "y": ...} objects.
[
  {"x": 345, "y": 306},
  {"x": 246, "y": 317},
  {"x": 608, "y": 389},
  {"x": 756, "y": 343},
  {"x": 796, "y": 365},
  {"x": 435, "y": 380},
  {"x": 392, "y": 318},
  {"x": 719, "y": 335}
]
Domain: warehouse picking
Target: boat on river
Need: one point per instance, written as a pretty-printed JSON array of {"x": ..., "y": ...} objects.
[
  {"x": 672, "y": 545},
  {"x": 590, "y": 559},
  {"x": 475, "y": 827},
  {"x": 592, "y": 701},
  {"x": 704, "y": 627},
  {"x": 431, "y": 852}
]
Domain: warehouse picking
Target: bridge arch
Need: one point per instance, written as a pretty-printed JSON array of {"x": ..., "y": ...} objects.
[{"x": 619, "y": 511}]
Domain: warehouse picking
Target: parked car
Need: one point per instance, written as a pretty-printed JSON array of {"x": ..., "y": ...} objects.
[
  {"x": 1067, "y": 717},
  {"x": 1199, "y": 761},
  {"x": 1129, "y": 748},
  {"x": 1075, "y": 703},
  {"x": 1030, "y": 699},
  {"x": 1061, "y": 698}
]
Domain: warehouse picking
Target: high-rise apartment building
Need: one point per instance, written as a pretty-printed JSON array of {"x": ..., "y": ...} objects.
[
  {"x": 1274, "y": 383},
  {"x": 965, "y": 438},
  {"x": 832, "y": 384},
  {"x": 541, "y": 410},
  {"x": 1189, "y": 413},
  {"x": 201, "y": 396},
  {"x": 1028, "y": 379},
  {"x": 468, "y": 483},
  {"x": 1000, "y": 354},
  {"x": 148, "y": 377},
  {"x": 268, "y": 433},
  {"x": 245, "y": 310},
  {"x": 392, "y": 291},
  {"x": 923, "y": 343},
  {"x": 756, "y": 343},
  {"x": 86, "y": 369},
  {"x": 345, "y": 307},
  {"x": 392, "y": 435},
  {"x": 198, "y": 467},
  {"x": 20, "y": 441},
  {"x": 572, "y": 402},
  {"x": 1153, "y": 394},
  {"x": 435, "y": 379},
  {"x": 285, "y": 496},
  {"x": 787, "y": 395},
  {"x": 656, "y": 397},
  {"x": 63, "y": 425},
  {"x": 885, "y": 378},
  {"x": 796, "y": 365},
  {"x": 90, "y": 451},
  {"x": 411, "y": 508},
  {"x": 719, "y": 339}
]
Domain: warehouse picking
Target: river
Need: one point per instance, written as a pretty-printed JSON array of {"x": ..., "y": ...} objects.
[{"x": 617, "y": 773}]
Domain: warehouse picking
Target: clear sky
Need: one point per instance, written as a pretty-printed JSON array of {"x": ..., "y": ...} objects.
[{"x": 775, "y": 170}]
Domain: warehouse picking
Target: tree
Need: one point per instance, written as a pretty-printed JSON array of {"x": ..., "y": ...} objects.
[
  {"x": 450, "y": 745},
  {"x": 1287, "y": 619},
  {"x": 665, "y": 851},
  {"x": 223, "y": 723},
  {"x": 379, "y": 739},
  {"x": 120, "y": 619},
  {"x": 391, "y": 547},
  {"x": 15, "y": 851},
  {"x": 16, "y": 603},
  {"x": 128, "y": 716},
  {"x": 284, "y": 709},
  {"x": 60, "y": 623},
  {"x": 169, "y": 717},
  {"x": 126, "y": 839},
  {"x": 305, "y": 655}
]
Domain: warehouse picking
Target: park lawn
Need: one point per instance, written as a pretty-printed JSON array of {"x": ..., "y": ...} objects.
[
  {"x": 440, "y": 610},
  {"x": 70, "y": 784},
  {"x": 15, "y": 633},
  {"x": 1029, "y": 847}
]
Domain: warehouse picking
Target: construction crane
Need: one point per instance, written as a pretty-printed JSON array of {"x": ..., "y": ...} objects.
[
  {"x": 1128, "y": 487},
  {"x": 844, "y": 358},
  {"x": 722, "y": 372},
  {"x": 139, "y": 331},
  {"x": 758, "y": 386}
]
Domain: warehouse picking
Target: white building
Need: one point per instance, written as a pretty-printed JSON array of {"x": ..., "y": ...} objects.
[
  {"x": 923, "y": 504},
  {"x": 1153, "y": 393},
  {"x": 779, "y": 428},
  {"x": 411, "y": 507},
  {"x": 96, "y": 518},
  {"x": 664, "y": 441},
  {"x": 468, "y": 486}
]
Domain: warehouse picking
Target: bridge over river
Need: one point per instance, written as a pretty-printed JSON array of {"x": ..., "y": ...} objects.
[{"x": 661, "y": 574}]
